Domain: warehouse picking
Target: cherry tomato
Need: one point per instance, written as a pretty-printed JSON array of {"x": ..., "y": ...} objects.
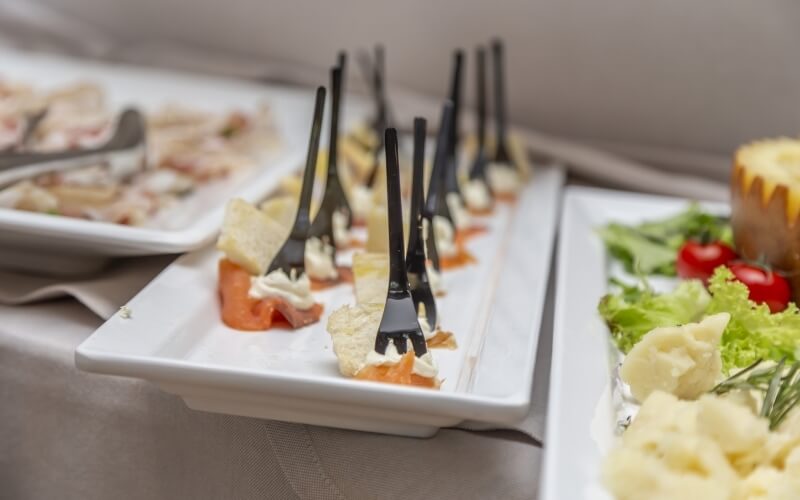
[
  {"x": 766, "y": 286},
  {"x": 697, "y": 260}
]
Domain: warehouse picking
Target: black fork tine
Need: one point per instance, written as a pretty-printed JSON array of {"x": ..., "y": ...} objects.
[
  {"x": 399, "y": 322},
  {"x": 415, "y": 257},
  {"x": 291, "y": 256}
]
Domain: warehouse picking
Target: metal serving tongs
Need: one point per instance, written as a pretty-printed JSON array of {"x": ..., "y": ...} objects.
[
  {"x": 501, "y": 154},
  {"x": 333, "y": 199},
  {"x": 478, "y": 169},
  {"x": 291, "y": 257},
  {"x": 451, "y": 166},
  {"x": 29, "y": 126},
  {"x": 399, "y": 323},
  {"x": 124, "y": 152},
  {"x": 415, "y": 257},
  {"x": 435, "y": 203}
]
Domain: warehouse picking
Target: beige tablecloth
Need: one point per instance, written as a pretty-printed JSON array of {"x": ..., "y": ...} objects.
[
  {"x": 67, "y": 434},
  {"x": 71, "y": 435}
]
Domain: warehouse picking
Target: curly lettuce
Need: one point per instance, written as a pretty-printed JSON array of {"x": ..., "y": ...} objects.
[
  {"x": 636, "y": 310},
  {"x": 753, "y": 332}
]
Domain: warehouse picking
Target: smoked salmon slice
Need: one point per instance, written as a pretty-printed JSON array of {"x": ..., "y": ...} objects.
[
  {"x": 242, "y": 312},
  {"x": 400, "y": 373}
]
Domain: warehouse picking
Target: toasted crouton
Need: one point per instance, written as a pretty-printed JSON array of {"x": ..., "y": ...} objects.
[
  {"x": 378, "y": 229},
  {"x": 371, "y": 277},
  {"x": 249, "y": 237},
  {"x": 282, "y": 209},
  {"x": 353, "y": 330}
]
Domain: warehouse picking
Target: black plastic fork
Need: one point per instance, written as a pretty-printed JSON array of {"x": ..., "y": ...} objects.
[
  {"x": 501, "y": 154},
  {"x": 478, "y": 169},
  {"x": 291, "y": 256},
  {"x": 415, "y": 256},
  {"x": 333, "y": 199},
  {"x": 399, "y": 323},
  {"x": 377, "y": 70},
  {"x": 435, "y": 204},
  {"x": 451, "y": 170}
]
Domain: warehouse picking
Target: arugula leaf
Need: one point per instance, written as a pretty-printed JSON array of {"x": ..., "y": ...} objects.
[
  {"x": 636, "y": 310},
  {"x": 651, "y": 247},
  {"x": 753, "y": 332}
]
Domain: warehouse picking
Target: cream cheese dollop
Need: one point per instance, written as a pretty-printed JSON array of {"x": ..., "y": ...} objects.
[
  {"x": 360, "y": 201},
  {"x": 435, "y": 280},
  {"x": 427, "y": 331},
  {"x": 424, "y": 365},
  {"x": 476, "y": 195},
  {"x": 445, "y": 236},
  {"x": 319, "y": 260},
  {"x": 341, "y": 235},
  {"x": 461, "y": 216},
  {"x": 294, "y": 289},
  {"x": 502, "y": 178}
]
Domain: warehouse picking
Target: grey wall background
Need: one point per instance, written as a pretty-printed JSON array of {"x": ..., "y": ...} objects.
[{"x": 676, "y": 74}]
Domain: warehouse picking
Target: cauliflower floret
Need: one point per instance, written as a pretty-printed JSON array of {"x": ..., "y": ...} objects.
[{"x": 682, "y": 360}]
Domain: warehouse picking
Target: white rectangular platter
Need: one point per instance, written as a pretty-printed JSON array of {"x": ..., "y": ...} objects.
[
  {"x": 27, "y": 240},
  {"x": 175, "y": 339},
  {"x": 581, "y": 418}
]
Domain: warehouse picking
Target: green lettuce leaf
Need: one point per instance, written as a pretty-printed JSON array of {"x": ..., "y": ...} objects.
[
  {"x": 753, "y": 332},
  {"x": 636, "y": 310},
  {"x": 651, "y": 247}
]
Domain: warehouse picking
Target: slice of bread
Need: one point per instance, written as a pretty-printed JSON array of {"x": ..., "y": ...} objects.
[
  {"x": 282, "y": 209},
  {"x": 378, "y": 229},
  {"x": 358, "y": 159},
  {"x": 353, "y": 330},
  {"x": 371, "y": 277},
  {"x": 249, "y": 237}
]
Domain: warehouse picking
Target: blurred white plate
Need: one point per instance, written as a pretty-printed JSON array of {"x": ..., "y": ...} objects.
[
  {"x": 176, "y": 339},
  {"x": 62, "y": 245},
  {"x": 581, "y": 415}
]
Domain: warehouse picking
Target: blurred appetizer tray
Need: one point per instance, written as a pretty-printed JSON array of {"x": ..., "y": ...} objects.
[
  {"x": 581, "y": 418},
  {"x": 174, "y": 338},
  {"x": 84, "y": 245}
]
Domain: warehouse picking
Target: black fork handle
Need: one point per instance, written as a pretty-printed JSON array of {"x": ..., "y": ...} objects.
[
  {"x": 481, "y": 89},
  {"x": 440, "y": 159},
  {"x": 499, "y": 92},
  {"x": 417, "y": 184},
  {"x": 336, "y": 91},
  {"x": 398, "y": 278},
  {"x": 455, "y": 97},
  {"x": 302, "y": 221}
]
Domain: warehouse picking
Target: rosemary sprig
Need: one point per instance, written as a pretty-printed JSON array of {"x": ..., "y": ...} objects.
[{"x": 780, "y": 387}]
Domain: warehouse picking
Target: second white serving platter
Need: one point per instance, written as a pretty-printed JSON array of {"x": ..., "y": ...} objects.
[
  {"x": 81, "y": 245},
  {"x": 175, "y": 338},
  {"x": 581, "y": 419}
]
